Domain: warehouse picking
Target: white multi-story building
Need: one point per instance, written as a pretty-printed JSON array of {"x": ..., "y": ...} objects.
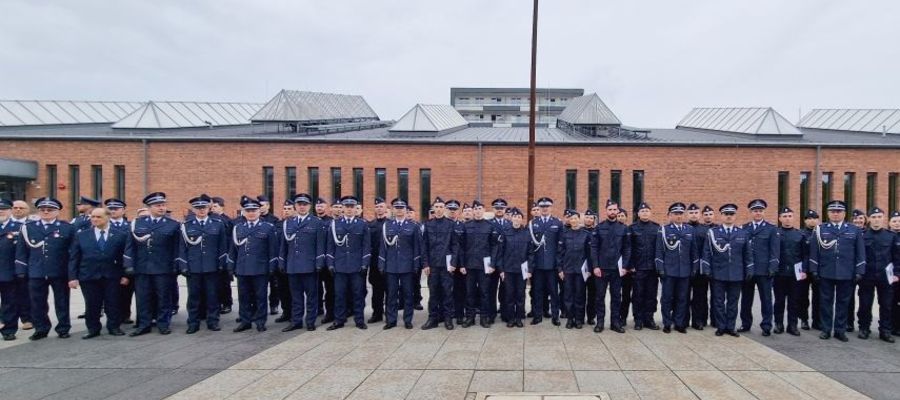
[{"x": 508, "y": 107}]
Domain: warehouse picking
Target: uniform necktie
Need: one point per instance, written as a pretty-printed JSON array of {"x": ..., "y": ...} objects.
[
  {"x": 101, "y": 243},
  {"x": 202, "y": 223}
]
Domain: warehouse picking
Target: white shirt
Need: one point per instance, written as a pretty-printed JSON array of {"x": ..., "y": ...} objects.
[
  {"x": 45, "y": 224},
  {"x": 728, "y": 228},
  {"x": 119, "y": 221},
  {"x": 97, "y": 233},
  {"x": 21, "y": 221},
  {"x": 202, "y": 221}
]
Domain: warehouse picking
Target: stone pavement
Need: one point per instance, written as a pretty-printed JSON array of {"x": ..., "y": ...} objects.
[{"x": 441, "y": 364}]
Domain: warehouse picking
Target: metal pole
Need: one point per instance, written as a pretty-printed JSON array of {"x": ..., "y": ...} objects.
[{"x": 531, "y": 114}]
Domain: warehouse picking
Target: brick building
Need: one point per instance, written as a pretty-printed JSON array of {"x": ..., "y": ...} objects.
[{"x": 331, "y": 145}]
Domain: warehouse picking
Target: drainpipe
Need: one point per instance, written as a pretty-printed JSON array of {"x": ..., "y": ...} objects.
[
  {"x": 145, "y": 182},
  {"x": 480, "y": 169}
]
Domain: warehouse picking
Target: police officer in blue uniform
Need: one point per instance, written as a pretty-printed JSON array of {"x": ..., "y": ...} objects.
[
  {"x": 501, "y": 223},
  {"x": 118, "y": 222},
  {"x": 786, "y": 286},
  {"x": 676, "y": 262},
  {"x": 42, "y": 254},
  {"x": 376, "y": 278},
  {"x": 439, "y": 265},
  {"x": 643, "y": 235},
  {"x": 282, "y": 283},
  {"x": 545, "y": 230},
  {"x": 203, "y": 254},
  {"x": 9, "y": 238},
  {"x": 894, "y": 225},
  {"x": 882, "y": 249},
  {"x": 573, "y": 260},
  {"x": 515, "y": 249},
  {"x": 807, "y": 285},
  {"x": 399, "y": 257},
  {"x": 589, "y": 221},
  {"x": 459, "y": 278},
  {"x": 155, "y": 247},
  {"x": 477, "y": 242},
  {"x": 837, "y": 257},
  {"x": 84, "y": 207},
  {"x": 303, "y": 245},
  {"x": 726, "y": 259},
  {"x": 255, "y": 258},
  {"x": 217, "y": 211},
  {"x": 347, "y": 258},
  {"x": 326, "y": 279},
  {"x": 699, "y": 299},
  {"x": 100, "y": 262},
  {"x": 766, "y": 250},
  {"x": 612, "y": 249}
]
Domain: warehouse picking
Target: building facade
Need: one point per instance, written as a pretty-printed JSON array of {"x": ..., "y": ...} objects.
[{"x": 508, "y": 107}]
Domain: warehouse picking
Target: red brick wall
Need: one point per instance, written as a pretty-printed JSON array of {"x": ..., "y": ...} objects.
[{"x": 705, "y": 175}]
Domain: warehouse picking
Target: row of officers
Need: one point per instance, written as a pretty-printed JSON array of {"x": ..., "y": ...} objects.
[{"x": 317, "y": 262}]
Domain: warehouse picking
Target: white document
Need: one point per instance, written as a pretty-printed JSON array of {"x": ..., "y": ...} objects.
[
  {"x": 524, "y": 270},
  {"x": 889, "y": 271},
  {"x": 585, "y": 271},
  {"x": 798, "y": 270},
  {"x": 487, "y": 262},
  {"x": 488, "y": 270},
  {"x": 622, "y": 272},
  {"x": 449, "y": 257}
]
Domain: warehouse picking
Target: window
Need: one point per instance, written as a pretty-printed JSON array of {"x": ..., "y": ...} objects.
[
  {"x": 74, "y": 187},
  {"x": 892, "y": 192},
  {"x": 615, "y": 186},
  {"x": 381, "y": 183},
  {"x": 97, "y": 181},
  {"x": 637, "y": 191},
  {"x": 783, "y": 183},
  {"x": 424, "y": 192},
  {"x": 290, "y": 182},
  {"x": 336, "y": 183},
  {"x": 571, "y": 188},
  {"x": 849, "y": 183},
  {"x": 120, "y": 181},
  {"x": 268, "y": 188},
  {"x": 403, "y": 183},
  {"x": 594, "y": 189},
  {"x": 312, "y": 175},
  {"x": 51, "y": 181},
  {"x": 804, "y": 193},
  {"x": 871, "y": 190},
  {"x": 826, "y": 189},
  {"x": 358, "y": 183}
]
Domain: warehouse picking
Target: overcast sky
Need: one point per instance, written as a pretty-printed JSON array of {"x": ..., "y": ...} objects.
[{"x": 650, "y": 61}]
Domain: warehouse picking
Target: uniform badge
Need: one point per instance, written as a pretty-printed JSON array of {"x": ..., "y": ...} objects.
[
  {"x": 9, "y": 236},
  {"x": 56, "y": 234}
]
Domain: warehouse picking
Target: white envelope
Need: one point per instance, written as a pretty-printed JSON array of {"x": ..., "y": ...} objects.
[
  {"x": 889, "y": 272},
  {"x": 585, "y": 271},
  {"x": 524, "y": 270},
  {"x": 488, "y": 270},
  {"x": 622, "y": 272},
  {"x": 487, "y": 262},
  {"x": 798, "y": 269},
  {"x": 449, "y": 257}
]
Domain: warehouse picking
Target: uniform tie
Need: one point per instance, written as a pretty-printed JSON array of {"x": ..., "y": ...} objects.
[{"x": 101, "y": 243}]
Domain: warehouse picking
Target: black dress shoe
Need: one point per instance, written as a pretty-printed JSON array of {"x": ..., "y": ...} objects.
[
  {"x": 310, "y": 328},
  {"x": 546, "y": 314},
  {"x": 484, "y": 323},
  {"x": 570, "y": 324},
  {"x": 225, "y": 310},
  {"x": 418, "y": 307},
  {"x": 824, "y": 336},
  {"x": 652, "y": 326},
  {"x": 744, "y": 329},
  {"x": 90, "y": 335},
  {"x": 334, "y": 326},
  {"x": 555, "y": 321},
  {"x": 519, "y": 324},
  {"x": 535, "y": 321},
  {"x": 864, "y": 334},
  {"x": 841, "y": 336},
  {"x": 697, "y": 327},
  {"x": 80, "y": 316},
  {"x": 139, "y": 332},
  {"x": 638, "y": 326},
  {"x": 719, "y": 332},
  {"x": 792, "y": 330},
  {"x": 598, "y": 328},
  {"x": 667, "y": 329},
  {"x": 529, "y": 315},
  {"x": 510, "y": 324},
  {"x": 362, "y": 326},
  {"x": 804, "y": 325},
  {"x": 766, "y": 332},
  {"x": 733, "y": 333},
  {"x": 430, "y": 324},
  {"x": 817, "y": 326},
  {"x": 681, "y": 329},
  {"x": 591, "y": 321},
  {"x": 407, "y": 325},
  {"x": 375, "y": 318},
  {"x": 214, "y": 328},
  {"x": 389, "y": 325},
  {"x": 448, "y": 324},
  {"x": 128, "y": 321},
  {"x": 779, "y": 329},
  {"x": 617, "y": 329},
  {"x": 237, "y": 320},
  {"x": 12, "y": 336},
  {"x": 283, "y": 318},
  {"x": 261, "y": 328},
  {"x": 241, "y": 328},
  {"x": 292, "y": 327},
  {"x": 850, "y": 328},
  {"x": 192, "y": 330},
  {"x": 64, "y": 335},
  {"x": 165, "y": 331},
  {"x": 579, "y": 325},
  {"x": 884, "y": 336},
  {"x": 116, "y": 332}
]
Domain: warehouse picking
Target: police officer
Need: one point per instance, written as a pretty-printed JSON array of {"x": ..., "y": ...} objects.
[
  {"x": 699, "y": 300},
  {"x": 347, "y": 258},
  {"x": 726, "y": 259},
  {"x": 894, "y": 225},
  {"x": 882, "y": 249},
  {"x": 501, "y": 222},
  {"x": 439, "y": 265},
  {"x": 575, "y": 264},
  {"x": 837, "y": 257},
  {"x": 100, "y": 262},
  {"x": 217, "y": 211},
  {"x": 612, "y": 249},
  {"x": 42, "y": 254},
  {"x": 255, "y": 258},
  {"x": 20, "y": 213},
  {"x": 544, "y": 231},
  {"x": 477, "y": 242},
  {"x": 84, "y": 207},
  {"x": 676, "y": 262},
  {"x": 590, "y": 224},
  {"x": 282, "y": 284},
  {"x": 303, "y": 246},
  {"x": 9, "y": 237},
  {"x": 766, "y": 250},
  {"x": 155, "y": 250},
  {"x": 793, "y": 249},
  {"x": 399, "y": 256},
  {"x": 514, "y": 257},
  {"x": 643, "y": 235},
  {"x": 203, "y": 254},
  {"x": 326, "y": 279},
  {"x": 459, "y": 278},
  {"x": 627, "y": 279},
  {"x": 376, "y": 278},
  {"x": 805, "y": 286}
]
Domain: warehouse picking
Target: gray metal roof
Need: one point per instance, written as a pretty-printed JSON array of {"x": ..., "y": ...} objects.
[
  {"x": 430, "y": 118},
  {"x": 183, "y": 114},
  {"x": 63, "y": 112},
  {"x": 300, "y": 106},
  {"x": 857, "y": 120},
  {"x": 588, "y": 110},
  {"x": 754, "y": 121}
]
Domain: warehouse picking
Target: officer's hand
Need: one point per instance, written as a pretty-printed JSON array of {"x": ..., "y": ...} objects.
[
  {"x": 748, "y": 277},
  {"x": 562, "y": 276},
  {"x": 426, "y": 271},
  {"x": 858, "y": 278},
  {"x": 462, "y": 271},
  {"x": 123, "y": 281},
  {"x": 502, "y": 276},
  {"x": 598, "y": 272},
  {"x": 73, "y": 284},
  {"x": 895, "y": 279},
  {"x": 451, "y": 269},
  {"x": 528, "y": 275}
]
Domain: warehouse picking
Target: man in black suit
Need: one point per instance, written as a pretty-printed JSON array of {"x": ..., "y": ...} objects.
[{"x": 100, "y": 263}]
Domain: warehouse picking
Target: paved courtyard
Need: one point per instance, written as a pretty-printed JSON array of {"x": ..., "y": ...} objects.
[{"x": 441, "y": 364}]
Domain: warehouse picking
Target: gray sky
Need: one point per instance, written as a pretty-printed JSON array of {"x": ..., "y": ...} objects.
[{"x": 650, "y": 61}]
